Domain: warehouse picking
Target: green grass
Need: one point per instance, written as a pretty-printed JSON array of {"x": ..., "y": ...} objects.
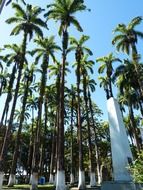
[{"x": 27, "y": 187}]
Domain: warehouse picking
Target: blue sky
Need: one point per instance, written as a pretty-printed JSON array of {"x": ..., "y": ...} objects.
[{"x": 98, "y": 24}]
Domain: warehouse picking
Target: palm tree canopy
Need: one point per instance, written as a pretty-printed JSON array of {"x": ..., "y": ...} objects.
[
  {"x": 79, "y": 45},
  {"x": 27, "y": 20},
  {"x": 106, "y": 63},
  {"x": 55, "y": 69},
  {"x": 91, "y": 84},
  {"x": 86, "y": 65},
  {"x": 103, "y": 82},
  {"x": 127, "y": 35},
  {"x": 125, "y": 75},
  {"x": 47, "y": 46},
  {"x": 63, "y": 11},
  {"x": 14, "y": 55}
]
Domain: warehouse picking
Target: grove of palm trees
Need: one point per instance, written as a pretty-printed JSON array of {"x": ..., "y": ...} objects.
[{"x": 52, "y": 129}]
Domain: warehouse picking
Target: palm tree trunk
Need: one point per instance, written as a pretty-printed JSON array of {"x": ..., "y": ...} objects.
[
  {"x": 81, "y": 183},
  {"x": 60, "y": 147},
  {"x": 3, "y": 153},
  {"x": 110, "y": 88},
  {"x": 133, "y": 124},
  {"x": 9, "y": 95},
  {"x": 107, "y": 93},
  {"x": 96, "y": 147},
  {"x": 2, "y": 5},
  {"x": 57, "y": 122},
  {"x": 60, "y": 182},
  {"x": 51, "y": 179},
  {"x": 92, "y": 171},
  {"x": 30, "y": 151},
  {"x": 17, "y": 141},
  {"x": 72, "y": 172},
  {"x": 36, "y": 154},
  {"x": 41, "y": 161}
]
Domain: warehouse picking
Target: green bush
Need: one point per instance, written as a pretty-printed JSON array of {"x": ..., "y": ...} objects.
[{"x": 136, "y": 169}]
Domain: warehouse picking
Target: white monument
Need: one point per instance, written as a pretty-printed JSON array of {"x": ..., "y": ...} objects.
[{"x": 121, "y": 152}]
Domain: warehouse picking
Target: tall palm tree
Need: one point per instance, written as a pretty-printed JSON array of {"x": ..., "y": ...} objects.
[
  {"x": 104, "y": 82},
  {"x": 72, "y": 99},
  {"x": 126, "y": 40},
  {"x": 46, "y": 49},
  {"x": 79, "y": 48},
  {"x": 32, "y": 103},
  {"x": 79, "y": 45},
  {"x": 106, "y": 63},
  {"x": 28, "y": 79},
  {"x": 28, "y": 22},
  {"x": 51, "y": 102},
  {"x": 14, "y": 57},
  {"x": 125, "y": 88},
  {"x": 63, "y": 11},
  {"x": 85, "y": 66},
  {"x": 126, "y": 71},
  {"x": 55, "y": 71},
  {"x": 91, "y": 88}
]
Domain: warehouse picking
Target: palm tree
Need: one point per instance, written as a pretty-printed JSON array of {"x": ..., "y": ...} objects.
[
  {"x": 80, "y": 49},
  {"x": 13, "y": 57},
  {"x": 78, "y": 45},
  {"x": 104, "y": 82},
  {"x": 126, "y": 71},
  {"x": 32, "y": 103},
  {"x": 91, "y": 87},
  {"x": 106, "y": 63},
  {"x": 63, "y": 11},
  {"x": 27, "y": 22},
  {"x": 127, "y": 37},
  {"x": 126, "y": 40},
  {"x": 28, "y": 79},
  {"x": 85, "y": 66},
  {"x": 47, "y": 48},
  {"x": 72, "y": 95},
  {"x": 125, "y": 88},
  {"x": 55, "y": 70},
  {"x": 51, "y": 102}
]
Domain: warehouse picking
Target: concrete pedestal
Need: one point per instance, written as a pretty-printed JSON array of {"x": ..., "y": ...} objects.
[
  {"x": 121, "y": 152},
  {"x": 122, "y": 185}
]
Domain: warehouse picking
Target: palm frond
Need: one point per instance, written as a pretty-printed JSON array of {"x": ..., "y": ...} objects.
[
  {"x": 83, "y": 39},
  {"x": 17, "y": 30},
  {"x": 37, "y": 30},
  {"x": 13, "y": 20},
  {"x": 19, "y": 10},
  {"x": 117, "y": 38},
  {"x": 76, "y": 24},
  {"x": 139, "y": 34},
  {"x": 101, "y": 68},
  {"x": 134, "y": 22},
  {"x": 88, "y": 51}
]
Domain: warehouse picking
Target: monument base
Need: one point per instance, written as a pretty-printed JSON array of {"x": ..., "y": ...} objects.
[{"x": 120, "y": 185}]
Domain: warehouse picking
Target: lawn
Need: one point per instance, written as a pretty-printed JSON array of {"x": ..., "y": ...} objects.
[{"x": 27, "y": 187}]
